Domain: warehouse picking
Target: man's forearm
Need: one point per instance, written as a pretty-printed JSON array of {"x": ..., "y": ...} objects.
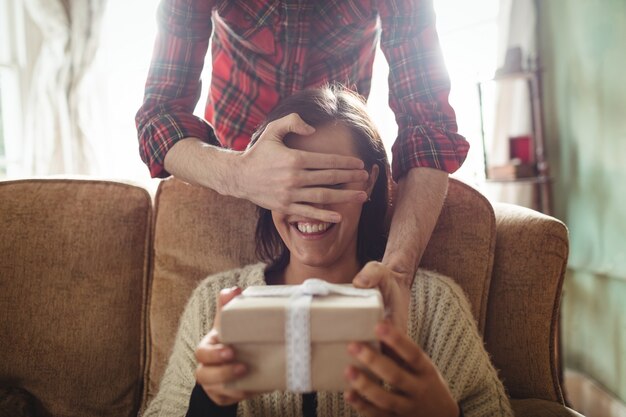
[
  {"x": 418, "y": 202},
  {"x": 268, "y": 173},
  {"x": 199, "y": 163}
]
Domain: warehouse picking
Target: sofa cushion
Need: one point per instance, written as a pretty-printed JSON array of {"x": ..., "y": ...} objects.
[
  {"x": 199, "y": 232},
  {"x": 73, "y": 281}
]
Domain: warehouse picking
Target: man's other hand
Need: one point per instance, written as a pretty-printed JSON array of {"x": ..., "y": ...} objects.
[{"x": 394, "y": 287}]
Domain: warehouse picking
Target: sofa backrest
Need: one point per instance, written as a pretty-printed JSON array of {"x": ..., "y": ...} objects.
[
  {"x": 198, "y": 232},
  {"x": 73, "y": 289}
]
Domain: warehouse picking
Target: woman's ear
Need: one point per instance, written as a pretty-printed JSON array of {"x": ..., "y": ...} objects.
[{"x": 372, "y": 179}]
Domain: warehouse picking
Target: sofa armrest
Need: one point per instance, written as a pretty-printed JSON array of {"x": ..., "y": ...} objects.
[
  {"x": 73, "y": 292},
  {"x": 521, "y": 330},
  {"x": 532, "y": 407}
]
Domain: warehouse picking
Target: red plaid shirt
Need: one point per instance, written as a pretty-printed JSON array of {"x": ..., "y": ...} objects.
[{"x": 265, "y": 50}]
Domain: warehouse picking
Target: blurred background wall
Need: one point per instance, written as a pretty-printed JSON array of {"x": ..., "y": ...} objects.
[{"x": 584, "y": 52}]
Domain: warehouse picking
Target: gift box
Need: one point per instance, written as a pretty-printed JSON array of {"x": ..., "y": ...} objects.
[{"x": 295, "y": 337}]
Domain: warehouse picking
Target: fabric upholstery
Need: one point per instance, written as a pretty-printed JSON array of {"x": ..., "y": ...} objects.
[
  {"x": 521, "y": 330},
  {"x": 199, "y": 232},
  {"x": 73, "y": 271},
  {"x": 462, "y": 244}
]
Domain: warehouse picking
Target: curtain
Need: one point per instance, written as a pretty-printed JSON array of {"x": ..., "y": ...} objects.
[
  {"x": 58, "y": 104},
  {"x": 512, "y": 112}
]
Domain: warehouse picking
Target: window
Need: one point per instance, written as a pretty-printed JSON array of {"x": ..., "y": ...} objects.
[
  {"x": 468, "y": 36},
  {"x": 11, "y": 60},
  {"x": 3, "y": 168},
  {"x": 121, "y": 68},
  {"x": 469, "y": 39},
  {"x": 10, "y": 121}
]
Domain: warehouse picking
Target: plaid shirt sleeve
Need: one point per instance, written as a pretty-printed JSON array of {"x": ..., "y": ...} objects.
[
  {"x": 173, "y": 86},
  {"x": 419, "y": 87}
]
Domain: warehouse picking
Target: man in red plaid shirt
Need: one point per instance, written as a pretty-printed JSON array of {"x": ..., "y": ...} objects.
[{"x": 263, "y": 51}]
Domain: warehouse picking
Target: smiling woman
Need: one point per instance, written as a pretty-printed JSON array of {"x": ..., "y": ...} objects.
[
  {"x": 342, "y": 127},
  {"x": 437, "y": 367},
  {"x": 323, "y": 245}
]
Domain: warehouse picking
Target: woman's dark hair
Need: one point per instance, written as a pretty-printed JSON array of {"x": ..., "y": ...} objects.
[{"x": 318, "y": 107}]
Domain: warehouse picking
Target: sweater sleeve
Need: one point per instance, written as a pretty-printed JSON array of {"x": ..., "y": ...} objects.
[
  {"x": 178, "y": 380},
  {"x": 445, "y": 328}
]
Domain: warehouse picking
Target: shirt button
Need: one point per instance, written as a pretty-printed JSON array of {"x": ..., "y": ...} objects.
[
  {"x": 341, "y": 18},
  {"x": 247, "y": 17},
  {"x": 295, "y": 67}
]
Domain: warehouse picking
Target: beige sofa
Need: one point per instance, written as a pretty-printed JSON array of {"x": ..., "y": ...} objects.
[{"x": 94, "y": 275}]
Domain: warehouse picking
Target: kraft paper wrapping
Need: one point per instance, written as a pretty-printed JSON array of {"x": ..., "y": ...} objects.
[{"x": 255, "y": 328}]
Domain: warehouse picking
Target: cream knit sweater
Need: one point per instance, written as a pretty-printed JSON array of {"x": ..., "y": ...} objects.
[{"x": 440, "y": 320}]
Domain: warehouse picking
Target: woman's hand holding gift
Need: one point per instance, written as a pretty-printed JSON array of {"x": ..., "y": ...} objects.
[
  {"x": 417, "y": 386},
  {"x": 216, "y": 362}
]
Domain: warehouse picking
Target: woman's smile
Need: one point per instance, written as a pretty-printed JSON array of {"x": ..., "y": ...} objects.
[{"x": 312, "y": 230}]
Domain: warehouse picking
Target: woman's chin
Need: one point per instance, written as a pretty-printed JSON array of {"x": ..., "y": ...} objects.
[{"x": 314, "y": 260}]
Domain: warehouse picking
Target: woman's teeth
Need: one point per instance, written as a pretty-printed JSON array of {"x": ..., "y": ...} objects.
[{"x": 308, "y": 228}]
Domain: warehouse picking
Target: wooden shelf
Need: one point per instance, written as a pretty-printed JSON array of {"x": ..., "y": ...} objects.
[{"x": 541, "y": 181}]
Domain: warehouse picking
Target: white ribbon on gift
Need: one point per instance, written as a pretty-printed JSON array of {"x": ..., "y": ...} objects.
[{"x": 298, "y": 323}]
